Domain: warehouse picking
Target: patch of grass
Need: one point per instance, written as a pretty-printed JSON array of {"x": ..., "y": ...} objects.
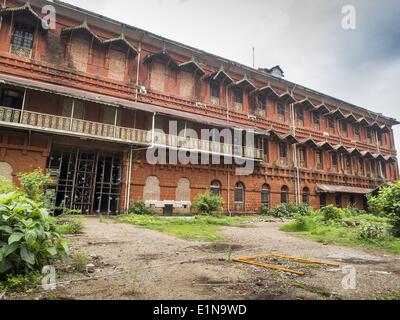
[
  {"x": 392, "y": 296},
  {"x": 19, "y": 283},
  {"x": 80, "y": 261},
  {"x": 69, "y": 225},
  {"x": 199, "y": 228},
  {"x": 313, "y": 227},
  {"x": 317, "y": 290}
]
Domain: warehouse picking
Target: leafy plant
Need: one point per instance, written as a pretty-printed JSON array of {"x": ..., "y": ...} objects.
[
  {"x": 331, "y": 213},
  {"x": 69, "y": 225},
  {"x": 80, "y": 261},
  {"x": 139, "y": 207},
  {"x": 6, "y": 186},
  {"x": 20, "y": 282},
  {"x": 34, "y": 186},
  {"x": 387, "y": 202},
  {"x": 371, "y": 231},
  {"x": 208, "y": 203},
  {"x": 28, "y": 237}
]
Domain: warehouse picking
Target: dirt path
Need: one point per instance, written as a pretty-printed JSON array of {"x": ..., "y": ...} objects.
[{"x": 136, "y": 263}]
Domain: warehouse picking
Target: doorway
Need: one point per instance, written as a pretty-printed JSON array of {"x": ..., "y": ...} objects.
[{"x": 85, "y": 180}]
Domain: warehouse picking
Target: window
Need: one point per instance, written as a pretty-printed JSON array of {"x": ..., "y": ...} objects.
[
  {"x": 306, "y": 195},
  {"x": 283, "y": 153},
  {"x": 361, "y": 166},
  {"x": 281, "y": 112},
  {"x": 22, "y": 41},
  {"x": 338, "y": 200},
  {"x": 261, "y": 106},
  {"x": 318, "y": 159},
  {"x": 239, "y": 196},
  {"x": 380, "y": 138},
  {"x": 344, "y": 129},
  {"x": 322, "y": 200},
  {"x": 334, "y": 161},
  {"x": 302, "y": 158},
  {"x": 216, "y": 187},
  {"x": 300, "y": 117},
  {"x": 347, "y": 160},
  {"x": 316, "y": 120},
  {"x": 214, "y": 88},
  {"x": 265, "y": 196},
  {"x": 357, "y": 132},
  {"x": 369, "y": 136},
  {"x": 352, "y": 200},
  {"x": 284, "y": 194},
  {"x": 331, "y": 125},
  {"x": 238, "y": 99},
  {"x": 12, "y": 99}
]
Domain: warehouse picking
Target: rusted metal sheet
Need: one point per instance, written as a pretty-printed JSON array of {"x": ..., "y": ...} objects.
[{"x": 342, "y": 189}]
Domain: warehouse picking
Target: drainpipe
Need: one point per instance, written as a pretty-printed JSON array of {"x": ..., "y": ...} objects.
[
  {"x": 137, "y": 70},
  {"x": 294, "y": 152},
  {"x": 128, "y": 181},
  {"x": 131, "y": 159},
  {"x": 229, "y": 194}
]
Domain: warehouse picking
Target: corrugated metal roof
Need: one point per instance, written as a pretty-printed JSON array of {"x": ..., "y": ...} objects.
[{"x": 342, "y": 189}]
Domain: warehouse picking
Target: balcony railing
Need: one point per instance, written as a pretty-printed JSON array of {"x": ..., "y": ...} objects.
[{"x": 103, "y": 131}]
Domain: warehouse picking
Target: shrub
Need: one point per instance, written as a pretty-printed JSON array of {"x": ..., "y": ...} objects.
[
  {"x": 20, "y": 282},
  {"x": 371, "y": 231},
  {"x": 69, "y": 225},
  {"x": 331, "y": 213},
  {"x": 6, "y": 186},
  {"x": 28, "y": 239},
  {"x": 139, "y": 207},
  {"x": 34, "y": 186},
  {"x": 266, "y": 211},
  {"x": 80, "y": 261},
  {"x": 208, "y": 203},
  {"x": 289, "y": 210},
  {"x": 387, "y": 202}
]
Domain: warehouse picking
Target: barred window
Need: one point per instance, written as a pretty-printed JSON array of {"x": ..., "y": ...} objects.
[
  {"x": 306, "y": 195},
  {"x": 239, "y": 193},
  {"x": 22, "y": 37},
  {"x": 216, "y": 187},
  {"x": 284, "y": 194},
  {"x": 265, "y": 196},
  {"x": 281, "y": 112}
]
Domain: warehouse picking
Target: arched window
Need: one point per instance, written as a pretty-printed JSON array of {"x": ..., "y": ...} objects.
[
  {"x": 239, "y": 196},
  {"x": 151, "y": 189},
  {"x": 284, "y": 194},
  {"x": 183, "y": 190},
  {"x": 265, "y": 196},
  {"x": 6, "y": 171},
  {"x": 215, "y": 187},
  {"x": 306, "y": 195}
]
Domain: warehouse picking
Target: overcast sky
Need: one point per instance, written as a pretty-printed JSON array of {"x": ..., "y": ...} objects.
[{"x": 305, "y": 38}]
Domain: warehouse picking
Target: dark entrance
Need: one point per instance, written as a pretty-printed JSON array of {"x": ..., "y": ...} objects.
[{"x": 89, "y": 181}]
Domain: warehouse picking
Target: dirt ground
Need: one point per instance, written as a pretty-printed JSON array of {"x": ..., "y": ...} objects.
[{"x": 136, "y": 263}]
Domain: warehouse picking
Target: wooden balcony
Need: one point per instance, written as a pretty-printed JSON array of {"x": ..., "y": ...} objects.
[{"x": 16, "y": 118}]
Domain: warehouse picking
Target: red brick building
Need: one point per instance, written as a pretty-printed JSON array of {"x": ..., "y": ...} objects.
[{"x": 83, "y": 100}]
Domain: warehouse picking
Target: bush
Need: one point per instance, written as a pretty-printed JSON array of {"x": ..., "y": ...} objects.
[
  {"x": 20, "y": 282},
  {"x": 331, "y": 213},
  {"x": 289, "y": 210},
  {"x": 69, "y": 225},
  {"x": 80, "y": 261},
  {"x": 6, "y": 186},
  {"x": 266, "y": 211},
  {"x": 208, "y": 203},
  {"x": 139, "y": 207},
  {"x": 387, "y": 203},
  {"x": 28, "y": 237},
  {"x": 34, "y": 186},
  {"x": 371, "y": 231}
]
